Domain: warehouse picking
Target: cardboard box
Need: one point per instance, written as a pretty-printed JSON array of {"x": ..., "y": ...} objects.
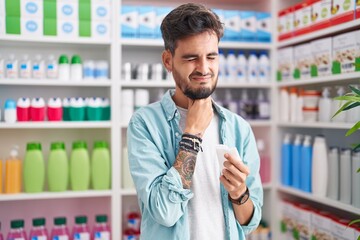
[
  {"x": 32, "y": 27},
  {"x": 322, "y": 56},
  {"x": 303, "y": 59},
  {"x": 263, "y": 27},
  {"x": 346, "y": 50},
  {"x": 2, "y": 8},
  {"x": 232, "y": 25},
  {"x": 357, "y": 9},
  {"x": 302, "y": 18},
  {"x": 285, "y": 23},
  {"x": 31, "y": 9},
  {"x": 161, "y": 12},
  {"x": 303, "y": 221},
  {"x": 147, "y": 22},
  {"x": 287, "y": 218},
  {"x": 321, "y": 225},
  {"x": 100, "y": 11},
  {"x": 101, "y": 30},
  {"x": 67, "y": 10},
  {"x": 341, "y": 230},
  {"x": 285, "y": 64},
  {"x": 247, "y": 26},
  {"x": 129, "y": 21},
  {"x": 320, "y": 14},
  {"x": 67, "y": 28},
  {"x": 342, "y": 11},
  {"x": 2, "y": 25}
]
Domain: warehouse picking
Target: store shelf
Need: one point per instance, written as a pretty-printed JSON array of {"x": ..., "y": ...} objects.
[
  {"x": 259, "y": 123},
  {"x": 321, "y": 125},
  {"x": 324, "y": 201},
  {"x": 128, "y": 192},
  {"x": 56, "y": 125},
  {"x": 333, "y": 79},
  {"x": 55, "y": 195},
  {"x": 223, "y": 44},
  {"x": 267, "y": 186},
  {"x": 353, "y": 25},
  {"x": 55, "y": 82}
]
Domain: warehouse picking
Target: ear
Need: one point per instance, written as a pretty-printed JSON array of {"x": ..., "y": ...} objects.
[{"x": 167, "y": 59}]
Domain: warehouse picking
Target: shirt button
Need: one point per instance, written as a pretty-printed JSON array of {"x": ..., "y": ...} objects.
[
  {"x": 176, "y": 114},
  {"x": 177, "y": 134}
]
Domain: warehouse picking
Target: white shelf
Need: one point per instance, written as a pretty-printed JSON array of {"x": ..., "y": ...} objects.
[
  {"x": 259, "y": 123},
  {"x": 128, "y": 192},
  {"x": 55, "y": 82},
  {"x": 321, "y": 200},
  {"x": 267, "y": 186},
  {"x": 321, "y": 125},
  {"x": 321, "y": 33},
  {"x": 171, "y": 83},
  {"x": 223, "y": 44},
  {"x": 335, "y": 79},
  {"x": 56, "y": 125},
  {"x": 243, "y": 85},
  {"x": 55, "y": 195}
]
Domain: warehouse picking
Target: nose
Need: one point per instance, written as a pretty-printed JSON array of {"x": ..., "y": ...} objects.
[{"x": 203, "y": 66}]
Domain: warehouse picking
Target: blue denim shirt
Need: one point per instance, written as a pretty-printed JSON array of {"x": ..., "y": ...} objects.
[{"x": 153, "y": 137}]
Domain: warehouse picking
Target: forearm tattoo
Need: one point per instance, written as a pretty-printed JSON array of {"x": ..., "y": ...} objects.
[{"x": 185, "y": 165}]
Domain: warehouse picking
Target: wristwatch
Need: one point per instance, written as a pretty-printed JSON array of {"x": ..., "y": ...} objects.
[{"x": 242, "y": 199}]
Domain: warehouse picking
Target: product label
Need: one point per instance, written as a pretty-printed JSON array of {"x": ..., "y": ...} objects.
[
  {"x": 39, "y": 238},
  {"x": 82, "y": 236},
  {"x": 129, "y": 237},
  {"x": 61, "y": 237},
  {"x": 102, "y": 236}
]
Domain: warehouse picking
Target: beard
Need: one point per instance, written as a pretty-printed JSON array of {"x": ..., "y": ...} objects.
[{"x": 200, "y": 92}]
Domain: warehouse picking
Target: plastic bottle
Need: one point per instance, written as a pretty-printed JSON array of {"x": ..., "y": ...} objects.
[
  {"x": 325, "y": 106},
  {"x": 54, "y": 109},
  {"x": 60, "y": 230},
  {"x": 58, "y": 168},
  {"x": 242, "y": 66},
  {"x": 81, "y": 230},
  {"x": 17, "y": 231},
  {"x": 335, "y": 105},
  {"x": 253, "y": 68},
  {"x": 13, "y": 170},
  {"x": 231, "y": 67},
  {"x": 34, "y": 168},
  {"x": 306, "y": 164},
  {"x": 79, "y": 167},
  {"x": 345, "y": 176},
  {"x": 319, "y": 160},
  {"x": 64, "y": 68},
  {"x": 76, "y": 68},
  {"x": 94, "y": 109},
  {"x": 2, "y": 67},
  {"x": 333, "y": 186},
  {"x": 11, "y": 67},
  {"x": 264, "y": 68},
  {"x": 141, "y": 98},
  {"x": 299, "y": 106},
  {"x": 353, "y": 115},
  {"x": 23, "y": 109},
  {"x": 229, "y": 102},
  {"x": 37, "y": 109},
  {"x": 102, "y": 70},
  {"x": 263, "y": 105},
  {"x": 89, "y": 70},
  {"x": 66, "y": 109},
  {"x": 245, "y": 105},
  {"x": 222, "y": 66},
  {"x": 1, "y": 236},
  {"x": 126, "y": 179},
  {"x": 38, "y": 67},
  {"x": 293, "y": 104},
  {"x": 355, "y": 179},
  {"x": 77, "y": 109},
  {"x": 38, "y": 231},
  {"x": 284, "y": 107},
  {"x": 134, "y": 220},
  {"x": 101, "y": 166},
  {"x": 286, "y": 160},
  {"x": 101, "y": 229},
  {"x": 52, "y": 68},
  {"x": 106, "y": 110},
  {"x": 1, "y": 182},
  {"x": 296, "y": 161},
  {"x": 25, "y": 67},
  {"x": 265, "y": 168},
  {"x": 10, "y": 111}
]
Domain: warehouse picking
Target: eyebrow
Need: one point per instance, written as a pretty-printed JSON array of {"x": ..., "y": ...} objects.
[{"x": 186, "y": 56}]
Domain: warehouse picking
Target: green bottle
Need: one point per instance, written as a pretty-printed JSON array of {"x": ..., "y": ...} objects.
[
  {"x": 34, "y": 168},
  {"x": 58, "y": 168},
  {"x": 100, "y": 166},
  {"x": 79, "y": 167}
]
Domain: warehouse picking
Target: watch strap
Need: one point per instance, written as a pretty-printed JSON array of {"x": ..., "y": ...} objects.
[{"x": 242, "y": 199}]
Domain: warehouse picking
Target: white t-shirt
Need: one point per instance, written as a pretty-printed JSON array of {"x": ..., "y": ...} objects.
[{"x": 206, "y": 217}]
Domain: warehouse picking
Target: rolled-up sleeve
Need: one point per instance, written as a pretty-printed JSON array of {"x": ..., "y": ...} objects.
[{"x": 158, "y": 185}]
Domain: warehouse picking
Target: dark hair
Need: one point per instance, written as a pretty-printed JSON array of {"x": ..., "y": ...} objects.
[{"x": 188, "y": 20}]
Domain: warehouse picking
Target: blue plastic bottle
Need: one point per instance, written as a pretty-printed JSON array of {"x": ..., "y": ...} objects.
[
  {"x": 296, "y": 161},
  {"x": 286, "y": 156},
  {"x": 305, "y": 166}
]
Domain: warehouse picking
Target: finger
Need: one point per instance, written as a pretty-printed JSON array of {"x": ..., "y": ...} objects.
[
  {"x": 237, "y": 163},
  {"x": 235, "y": 179},
  {"x": 234, "y": 170}
]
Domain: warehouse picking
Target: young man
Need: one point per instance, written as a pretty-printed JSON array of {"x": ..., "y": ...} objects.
[{"x": 182, "y": 191}]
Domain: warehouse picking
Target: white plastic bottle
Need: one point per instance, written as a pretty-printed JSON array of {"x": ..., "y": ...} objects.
[
  {"x": 38, "y": 67},
  {"x": 300, "y": 105},
  {"x": 319, "y": 170},
  {"x": 89, "y": 70},
  {"x": 325, "y": 106},
  {"x": 263, "y": 105},
  {"x": 222, "y": 66},
  {"x": 345, "y": 176},
  {"x": 102, "y": 70},
  {"x": 11, "y": 67},
  {"x": 242, "y": 66},
  {"x": 264, "y": 68},
  {"x": 229, "y": 102},
  {"x": 253, "y": 68},
  {"x": 284, "y": 108},
  {"x": 333, "y": 176},
  {"x": 25, "y": 67},
  {"x": 353, "y": 115},
  {"x": 2, "y": 67},
  {"x": 231, "y": 67},
  {"x": 52, "y": 67},
  {"x": 76, "y": 70},
  {"x": 336, "y": 104},
  {"x": 64, "y": 68},
  {"x": 355, "y": 201},
  {"x": 293, "y": 104}
]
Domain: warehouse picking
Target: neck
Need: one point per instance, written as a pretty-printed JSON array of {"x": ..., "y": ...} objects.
[{"x": 180, "y": 99}]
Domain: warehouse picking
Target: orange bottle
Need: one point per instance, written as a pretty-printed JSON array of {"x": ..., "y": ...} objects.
[
  {"x": 13, "y": 172},
  {"x": 1, "y": 182}
]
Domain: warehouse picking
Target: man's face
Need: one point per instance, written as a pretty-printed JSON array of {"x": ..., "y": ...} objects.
[{"x": 195, "y": 65}]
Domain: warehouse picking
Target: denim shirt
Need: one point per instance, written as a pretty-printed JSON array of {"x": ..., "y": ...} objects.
[{"x": 153, "y": 137}]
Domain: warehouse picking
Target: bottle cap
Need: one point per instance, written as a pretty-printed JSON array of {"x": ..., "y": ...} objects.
[
  {"x": 63, "y": 59},
  {"x": 75, "y": 59},
  {"x": 80, "y": 220},
  {"x": 10, "y": 104},
  {"x": 57, "y": 145},
  {"x": 38, "y": 222},
  {"x": 33, "y": 146},
  {"x": 101, "y": 144},
  {"x": 101, "y": 218},
  {"x": 60, "y": 221},
  {"x": 17, "y": 223},
  {"x": 79, "y": 144}
]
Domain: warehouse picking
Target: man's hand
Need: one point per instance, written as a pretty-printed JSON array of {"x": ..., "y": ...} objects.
[
  {"x": 234, "y": 176},
  {"x": 199, "y": 116}
]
